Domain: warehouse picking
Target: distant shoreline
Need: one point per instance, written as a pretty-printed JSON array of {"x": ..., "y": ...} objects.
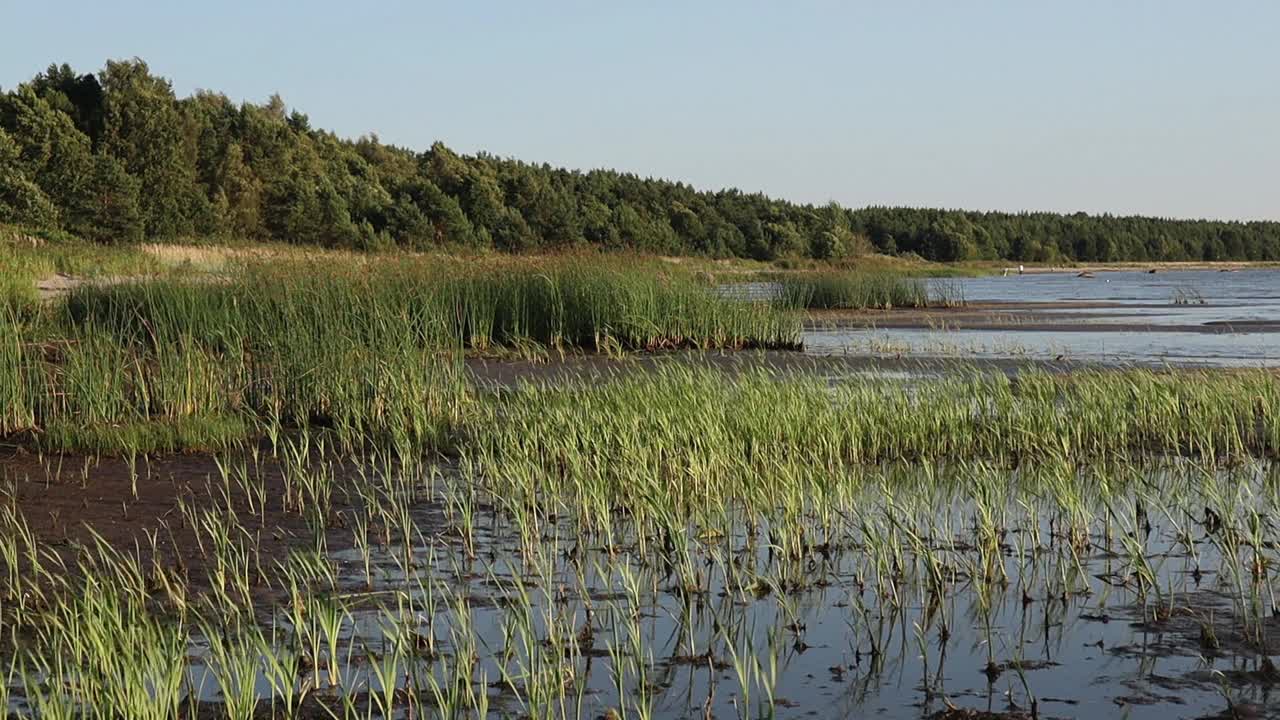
[{"x": 1223, "y": 266}]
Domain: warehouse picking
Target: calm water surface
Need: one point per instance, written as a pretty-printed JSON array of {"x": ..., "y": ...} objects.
[
  {"x": 852, "y": 637},
  {"x": 1178, "y": 318}
]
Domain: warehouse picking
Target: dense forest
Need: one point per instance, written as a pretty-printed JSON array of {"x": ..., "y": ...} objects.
[{"x": 117, "y": 157}]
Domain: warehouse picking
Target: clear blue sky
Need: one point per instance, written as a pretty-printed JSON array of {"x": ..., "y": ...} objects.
[{"x": 1161, "y": 107}]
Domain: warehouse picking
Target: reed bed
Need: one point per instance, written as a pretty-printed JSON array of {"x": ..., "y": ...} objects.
[
  {"x": 691, "y": 413},
  {"x": 831, "y": 290},
  {"x": 92, "y": 390},
  {"x": 569, "y": 304},
  {"x": 681, "y": 445},
  {"x": 372, "y": 349}
]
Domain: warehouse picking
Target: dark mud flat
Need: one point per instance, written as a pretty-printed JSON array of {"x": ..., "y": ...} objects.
[{"x": 72, "y": 501}]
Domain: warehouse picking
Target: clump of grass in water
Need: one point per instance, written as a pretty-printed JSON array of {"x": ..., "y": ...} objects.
[
  {"x": 1188, "y": 295},
  {"x": 854, "y": 291},
  {"x": 206, "y": 433},
  {"x": 103, "y": 396},
  {"x": 705, "y": 438}
]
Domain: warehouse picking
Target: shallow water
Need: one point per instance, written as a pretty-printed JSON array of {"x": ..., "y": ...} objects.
[
  {"x": 843, "y": 630},
  {"x": 1259, "y": 288},
  {"x": 1203, "y": 318},
  {"x": 1153, "y": 347}
]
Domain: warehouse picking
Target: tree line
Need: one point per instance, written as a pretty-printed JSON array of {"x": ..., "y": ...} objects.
[{"x": 117, "y": 157}]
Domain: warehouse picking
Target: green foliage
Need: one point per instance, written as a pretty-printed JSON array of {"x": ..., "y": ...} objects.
[
  {"x": 78, "y": 96},
  {"x": 203, "y": 433},
  {"x": 736, "y": 428},
  {"x": 21, "y": 200},
  {"x": 370, "y": 350},
  {"x": 430, "y": 306},
  {"x": 19, "y": 385},
  {"x": 109, "y": 208},
  {"x": 50, "y": 151},
  {"x": 204, "y": 165},
  {"x": 853, "y": 290},
  {"x": 146, "y": 131}
]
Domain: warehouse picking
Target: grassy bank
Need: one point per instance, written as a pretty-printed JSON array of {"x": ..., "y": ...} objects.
[
  {"x": 26, "y": 260},
  {"x": 370, "y": 347},
  {"x": 376, "y": 357}
]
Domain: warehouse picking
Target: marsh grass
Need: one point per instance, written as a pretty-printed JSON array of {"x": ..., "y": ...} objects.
[
  {"x": 20, "y": 385},
  {"x": 370, "y": 349},
  {"x": 205, "y": 433},
  {"x": 862, "y": 290},
  {"x": 39, "y": 254},
  {"x": 18, "y": 294},
  {"x": 851, "y": 290},
  {"x": 638, "y": 436},
  {"x": 570, "y": 519},
  {"x": 562, "y": 304},
  {"x": 733, "y": 554}
]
